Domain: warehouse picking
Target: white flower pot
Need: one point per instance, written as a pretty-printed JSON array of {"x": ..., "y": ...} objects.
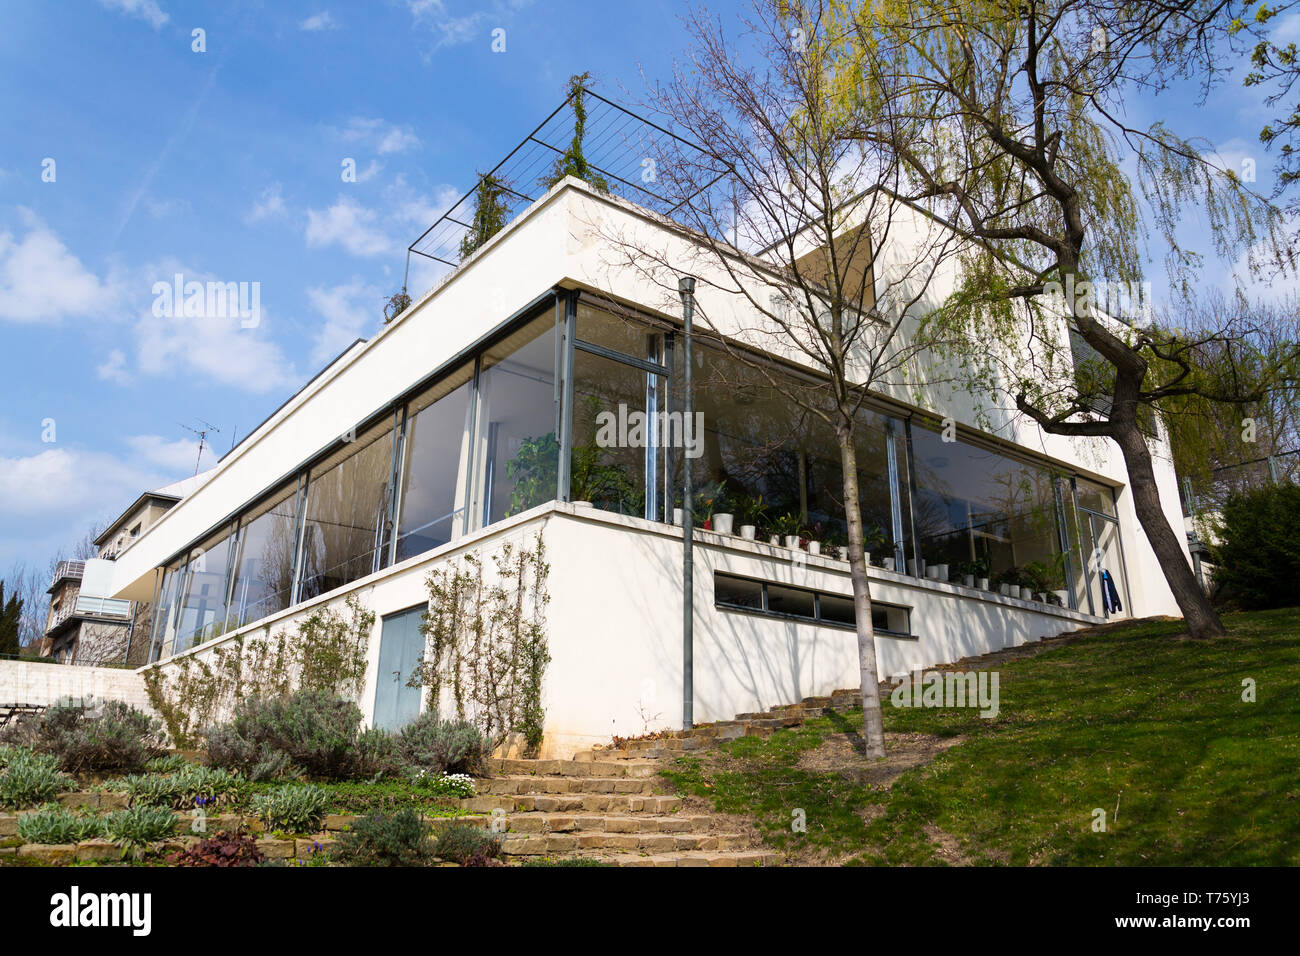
[
  {"x": 1026, "y": 594},
  {"x": 983, "y": 584},
  {"x": 678, "y": 513},
  {"x": 932, "y": 572},
  {"x": 814, "y": 547},
  {"x": 911, "y": 567},
  {"x": 943, "y": 572},
  {"x": 1006, "y": 589},
  {"x": 775, "y": 541},
  {"x": 748, "y": 531},
  {"x": 888, "y": 563},
  {"x": 968, "y": 580},
  {"x": 723, "y": 524},
  {"x": 1062, "y": 598},
  {"x": 792, "y": 542}
]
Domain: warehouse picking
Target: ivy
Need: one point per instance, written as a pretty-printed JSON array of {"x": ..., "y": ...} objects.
[
  {"x": 485, "y": 642},
  {"x": 328, "y": 653}
]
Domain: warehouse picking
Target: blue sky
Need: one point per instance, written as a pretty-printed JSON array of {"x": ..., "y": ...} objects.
[{"x": 225, "y": 165}]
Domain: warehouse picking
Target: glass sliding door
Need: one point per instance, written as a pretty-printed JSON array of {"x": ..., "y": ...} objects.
[
  {"x": 348, "y": 513},
  {"x": 1102, "y": 552},
  {"x": 435, "y": 455},
  {"x": 263, "y": 568},
  {"x": 517, "y": 450},
  {"x": 203, "y": 607}
]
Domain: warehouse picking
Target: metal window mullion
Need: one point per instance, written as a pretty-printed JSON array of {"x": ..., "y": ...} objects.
[
  {"x": 394, "y": 489},
  {"x": 471, "y": 465},
  {"x": 1063, "y": 539},
  {"x": 895, "y": 492},
  {"x": 911, "y": 499},
  {"x": 299, "y": 534},
  {"x": 564, "y": 471},
  {"x": 1087, "y": 585}
]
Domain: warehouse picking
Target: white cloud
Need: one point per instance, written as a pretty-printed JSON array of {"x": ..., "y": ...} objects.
[
  {"x": 378, "y": 134},
  {"x": 448, "y": 29},
  {"x": 147, "y": 10},
  {"x": 317, "y": 22},
  {"x": 349, "y": 224},
  {"x": 214, "y": 347},
  {"x": 349, "y": 311},
  {"x": 269, "y": 204},
  {"x": 177, "y": 457},
  {"x": 114, "y": 368},
  {"x": 40, "y": 280},
  {"x": 415, "y": 209}
]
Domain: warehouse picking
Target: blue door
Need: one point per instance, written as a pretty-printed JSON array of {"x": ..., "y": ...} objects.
[{"x": 401, "y": 645}]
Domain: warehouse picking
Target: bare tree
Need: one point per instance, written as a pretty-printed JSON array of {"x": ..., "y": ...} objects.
[{"x": 796, "y": 248}]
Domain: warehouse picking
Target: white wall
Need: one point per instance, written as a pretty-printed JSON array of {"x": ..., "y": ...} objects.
[
  {"x": 614, "y": 624},
  {"x": 28, "y": 682}
]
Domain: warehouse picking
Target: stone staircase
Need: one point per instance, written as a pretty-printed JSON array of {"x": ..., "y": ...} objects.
[
  {"x": 612, "y": 810},
  {"x": 609, "y": 803}
]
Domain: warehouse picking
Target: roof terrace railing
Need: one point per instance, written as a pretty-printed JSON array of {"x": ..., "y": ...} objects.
[{"x": 619, "y": 145}]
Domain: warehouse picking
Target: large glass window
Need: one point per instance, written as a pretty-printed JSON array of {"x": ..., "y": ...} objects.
[
  {"x": 348, "y": 514},
  {"x": 263, "y": 577},
  {"x": 986, "y": 515},
  {"x": 436, "y": 443},
  {"x": 164, "y": 613},
  {"x": 612, "y": 434},
  {"x": 771, "y": 462},
  {"x": 203, "y": 607},
  {"x": 517, "y": 449}
]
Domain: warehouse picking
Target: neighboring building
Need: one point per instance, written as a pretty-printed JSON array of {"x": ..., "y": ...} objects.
[
  {"x": 81, "y": 629},
  {"x": 471, "y": 420}
]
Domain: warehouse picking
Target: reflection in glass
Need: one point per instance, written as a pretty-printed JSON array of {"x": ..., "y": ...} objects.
[
  {"x": 346, "y": 522},
  {"x": 517, "y": 447},
  {"x": 203, "y": 609},
  {"x": 263, "y": 577},
  {"x": 611, "y": 435},
  {"x": 437, "y": 426}
]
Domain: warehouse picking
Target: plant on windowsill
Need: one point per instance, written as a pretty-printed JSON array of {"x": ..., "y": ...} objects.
[
  {"x": 752, "y": 512},
  {"x": 788, "y": 528}
]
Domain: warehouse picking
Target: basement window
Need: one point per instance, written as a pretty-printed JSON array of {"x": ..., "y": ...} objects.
[{"x": 734, "y": 593}]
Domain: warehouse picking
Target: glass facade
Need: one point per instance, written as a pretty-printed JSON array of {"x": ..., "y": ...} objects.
[{"x": 584, "y": 404}]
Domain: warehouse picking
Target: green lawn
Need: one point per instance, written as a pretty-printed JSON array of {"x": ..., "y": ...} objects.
[{"x": 1136, "y": 717}]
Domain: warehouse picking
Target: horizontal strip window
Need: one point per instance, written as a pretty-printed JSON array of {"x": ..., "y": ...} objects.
[{"x": 734, "y": 593}]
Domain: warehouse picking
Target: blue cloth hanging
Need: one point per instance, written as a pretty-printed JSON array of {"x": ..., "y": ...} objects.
[{"x": 1109, "y": 595}]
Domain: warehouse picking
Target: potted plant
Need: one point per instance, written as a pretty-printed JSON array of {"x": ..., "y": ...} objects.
[
  {"x": 786, "y": 528},
  {"x": 752, "y": 513}
]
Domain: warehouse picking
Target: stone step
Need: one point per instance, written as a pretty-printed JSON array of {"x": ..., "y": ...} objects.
[
  {"x": 573, "y": 803},
  {"x": 697, "y": 858},
  {"x": 575, "y": 768},
  {"x": 537, "y": 822},
  {"x": 545, "y": 844},
  {"x": 526, "y": 785}
]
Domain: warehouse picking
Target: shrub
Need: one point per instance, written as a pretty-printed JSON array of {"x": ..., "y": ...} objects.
[
  {"x": 120, "y": 738},
  {"x": 137, "y": 827},
  {"x": 171, "y": 763},
  {"x": 30, "y": 778},
  {"x": 1257, "y": 562},
  {"x": 191, "y": 786},
  {"x": 57, "y": 824},
  {"x": 296, "y": 808},
  {"x": 224, "y": 848},
  {"x": 452, "y": 746},
  {"x": 310, "y": 732},
  {"x": 445, "y": 784},
  {"x": 467, "y": 844},
  {"x": 385, "y": 839}
]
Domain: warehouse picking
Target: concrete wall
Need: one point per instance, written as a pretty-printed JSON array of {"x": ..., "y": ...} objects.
[
  {"x": 615, "y": 613},
  {"x": 28, "y": 682}
]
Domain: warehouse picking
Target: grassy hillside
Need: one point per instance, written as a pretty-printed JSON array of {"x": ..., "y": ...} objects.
[{"x": 1138, "y": 722}]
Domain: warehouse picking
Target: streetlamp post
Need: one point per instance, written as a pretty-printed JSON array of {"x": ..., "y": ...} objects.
[{"x": 686, "y": 288}]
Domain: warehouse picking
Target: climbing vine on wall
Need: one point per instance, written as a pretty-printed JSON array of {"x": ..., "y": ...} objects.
[
  {"x": 485, "y": 642},
  {"x": 327, "y": 652}
]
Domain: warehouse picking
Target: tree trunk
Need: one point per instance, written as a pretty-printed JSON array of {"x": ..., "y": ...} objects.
[
  {"x": 873, "y": 721},
  {"x": 1202, "y": 621}
]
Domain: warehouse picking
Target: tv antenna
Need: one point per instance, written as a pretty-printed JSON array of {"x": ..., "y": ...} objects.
[{"x": 203, "y": 434}]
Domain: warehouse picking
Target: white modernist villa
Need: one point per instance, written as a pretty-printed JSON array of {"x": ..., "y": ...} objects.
[{"x": 469, "y": 420}]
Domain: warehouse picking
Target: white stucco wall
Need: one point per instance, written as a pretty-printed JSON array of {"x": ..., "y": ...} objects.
[
  {"x": 614, "y": 624},
  {"x": 30, "y": 682}
]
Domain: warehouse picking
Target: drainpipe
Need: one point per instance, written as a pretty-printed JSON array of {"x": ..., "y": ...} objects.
[{"x": 686, "y": 288}]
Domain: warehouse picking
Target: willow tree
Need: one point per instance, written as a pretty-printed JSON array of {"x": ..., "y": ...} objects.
[
  {"x": 796, "y": 243},
  {"x": 1024, "y": 108}
]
